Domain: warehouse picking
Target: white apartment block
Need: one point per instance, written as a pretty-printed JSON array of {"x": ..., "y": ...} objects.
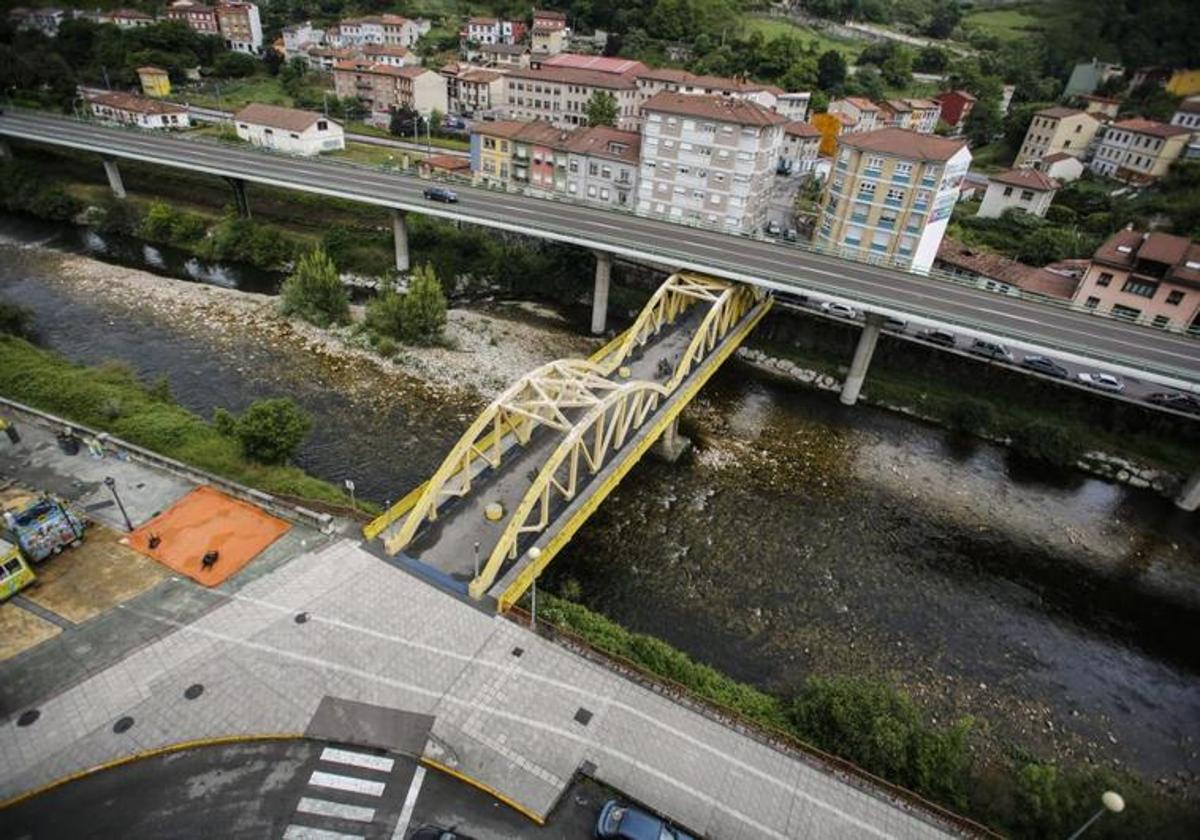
[
  {"x": 1138, "y": 150},
  {"x": 240, "y": 26},
  {"x": 794, "y": 106},
  {"x": 560, "y": 95}
]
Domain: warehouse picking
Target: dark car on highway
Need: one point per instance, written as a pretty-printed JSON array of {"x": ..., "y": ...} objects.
[
  {"x": 1179, "y": 402},
  {"x": 991, "y": 350},
  {"x": 441, "y": 194},
  {"x": 941, "y": 337},
  {"x": 1047, "y": 366}
]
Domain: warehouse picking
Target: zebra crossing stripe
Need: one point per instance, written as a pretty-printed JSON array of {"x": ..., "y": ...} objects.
[
  {"x": 357, "y": 759},
  {"x": 339, "y": 810},
  {"x": 348, "y": 783}
]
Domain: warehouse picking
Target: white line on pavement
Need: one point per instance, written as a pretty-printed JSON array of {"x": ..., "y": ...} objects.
[
  {"x": 410, "y": 802},
  {"x": 333, "y": 780},
  {"x": 306, "y": 832},
  {"x": 370, "y": 762},
  {"x": 340, "y": 810}
]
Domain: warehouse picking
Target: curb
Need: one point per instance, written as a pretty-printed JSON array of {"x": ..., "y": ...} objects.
[
  {"x": 143, "y": 754},
  {"x": 486, "y": 788}
]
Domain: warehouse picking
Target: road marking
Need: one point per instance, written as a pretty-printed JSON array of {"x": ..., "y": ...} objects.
[
  {"x": 305, "y": 832},
  {"x": 325, "y": 808},
  {"x": 348, "y": 783},
  {"x": 370, "y": 762},
  {"x": 410, "y": 802}
]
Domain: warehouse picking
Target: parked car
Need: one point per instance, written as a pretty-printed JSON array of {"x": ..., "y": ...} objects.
[
  {"x": 773, "y": 229},
  {"x": 941, "y": 337},
  {"x": 838, "y": 309},
  {"x": 1047, "y": 366},
  {"x": 435, "y": 832},
  {"x": 441, "y": 194},
  {"x": 991, "y": 350},
  {"x": 1179, "y": 402},
  {"x": 628, "y": 823},
  {"x": 895, "y": 324},
  {"x": 792, "y": 298},
  {"x": 1102, "y": 382},
  {"x": 791, "y": 235}
]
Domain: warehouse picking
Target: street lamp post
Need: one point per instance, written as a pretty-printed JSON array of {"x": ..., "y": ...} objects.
[
  {"x": 111, "y": 484},
  {"x": 534, "y": 554},
  {"x": 349, "y": 482},
  {"x": 1110, "y": 801}
]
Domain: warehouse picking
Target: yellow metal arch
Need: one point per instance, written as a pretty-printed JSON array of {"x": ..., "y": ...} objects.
[{"x": 733, "y": 303}]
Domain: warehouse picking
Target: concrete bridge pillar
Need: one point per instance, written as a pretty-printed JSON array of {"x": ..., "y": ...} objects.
[
  {"x": 862, "y": 360},
  {"x": 5, "y": 149},
  {"x": 400, "y": 235},
  {"x": 239, "y": 196},
  {"x": 1189, "y": 496},
  {"x": 671, "y": 445},
  {"x": 114, "y": 177},
  {"x": 600, "y": 293}
]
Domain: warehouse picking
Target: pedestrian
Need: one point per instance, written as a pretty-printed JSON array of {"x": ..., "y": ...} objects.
[{"x": 10, "y": 430}]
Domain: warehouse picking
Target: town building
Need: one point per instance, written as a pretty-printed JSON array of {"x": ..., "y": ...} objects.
[
  {"x": 390, "y": 54},
  {"x": 998, "y": 273},
  {"x": 890, "y": 196},
  {"x": 1102, "y": 106},
  {"x": 127, "y": 18},
  {"x": 198, "y": 16},
  {"x": 489, "y": 30},
  {"x": 356, "y": 32},
  {"x": 955, "y": 107},
  {"x": 794, "y": 106},
  {"x": 385, "y": 88},
  {"x": 473, "y": 90},
  {"x": 324, "y": 58},
  {"x": 288, "y": 129},
  {"x": 560, "y": 93},
  {"x": 240, "y": 26},
  {"x": 1138, "y": 151},
  {"x": 1148, "y": 277},
  {"x": 801, "y": 148},
  {"x": 1027, "y": 190},
  {"x": 549, "y": 32},
  {"x": 1187, "y": 115},
  {"x": 925, "y": 115},
  {"x": 399, "y": 31},
  {"x": 657, "y": 80},
  {"x": 1088, "y": 76},
  {"x": 131, "y": 109},
  {"x": 1183, "y": 83},
  {"x": 1057, "y": 129},
  {"x": 45, "y": 20},
  {"x": 501, "y": 56},
  {"x": 708, "y": 160},
  {"x": 1062, "y": 167},
  {"x": 444, "y": 166},
  {"x": 864, "y": 114},
  {"x": 299, "y": 37},
  {"x": 602, "y": 167},
  {"x": 896, "y": 113},
  {"x": 155, "y": 81}
]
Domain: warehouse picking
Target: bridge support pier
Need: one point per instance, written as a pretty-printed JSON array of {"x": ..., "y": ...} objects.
[
  {"x": 5, "y": 149},
  {"x": 114, "y": 177},
  {"x": 1189, "y": 497},
  {"x": 600, "y": 292},
  {"x": 400, "y": 235},
  {"x": 670, "y": 444},
  {"x": 862, "y": 360},
  {"x": 239, "y": 197}
]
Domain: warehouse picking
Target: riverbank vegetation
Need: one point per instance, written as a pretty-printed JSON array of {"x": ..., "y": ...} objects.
[
  {"x": 870, "y": 723},
  {"x": 314, "y": 291}
]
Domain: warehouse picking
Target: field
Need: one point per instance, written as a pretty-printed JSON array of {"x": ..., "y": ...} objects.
[
  {"x": 1012, "y": 23},
  {"x": 774, "y": 27}
]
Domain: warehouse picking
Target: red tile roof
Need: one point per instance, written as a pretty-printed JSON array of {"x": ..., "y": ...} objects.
[
  {"x": 136, "y": 104},
  {"x": 288, "y": 119},
  {"x": 575, "y": 76},
  {"x": 799, "y": 128},
  {"x": 605, "y": 142},
  {"x": 1060, "y": 111},
  {"x": 963, "y": 257},
  {"x": 683, "y": 77},
  {"x": 1138, "y": 125},
  {"x": 1165, "y": 248},
  {"x": 718, "y": 108},
  {"x": 905, "y": 144},
  {"x": 1029, "y": 179},
  {"x": 598, "y": 63}
]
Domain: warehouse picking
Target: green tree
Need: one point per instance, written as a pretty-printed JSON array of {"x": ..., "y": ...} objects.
[
  {"x": 931, "y": 59},
  {"x": 831, "y": 70},
  {"x": 315, "y": 292},
  {"x": 423, "y": 309},
  {"x": 897, "y": 69},
  {"x": 15, "y": 320},
  {"x": 269, "y": 431},
  {"x": 234, "y": 65},
  {"x": 944, "y": 19},
  {"x": 602, "y": 109},
  {"x": 982, "y": 123}
]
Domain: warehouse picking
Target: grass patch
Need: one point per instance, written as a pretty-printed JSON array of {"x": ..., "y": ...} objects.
[
  {"x": 1015, "y": 23},
  {"x": 774, "y": 27}
]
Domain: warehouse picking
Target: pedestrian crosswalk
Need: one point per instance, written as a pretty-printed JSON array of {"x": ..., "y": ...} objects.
[{"x": 346, "y": 797}]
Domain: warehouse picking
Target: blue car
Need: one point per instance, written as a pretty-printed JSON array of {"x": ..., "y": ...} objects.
[{"x": 628, "y": 823}]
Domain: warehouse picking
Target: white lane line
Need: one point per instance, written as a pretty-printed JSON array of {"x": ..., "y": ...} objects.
[
  {"x": 410, "y": 802},
  {"x": 340, "y": 810},
  {"x": 349, "y": 783},
  {"x": 370, "y": 762},
  {"x": 306, "y": 832}
]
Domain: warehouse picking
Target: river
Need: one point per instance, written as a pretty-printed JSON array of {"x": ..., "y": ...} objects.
[{"x": 798, "y": 538}]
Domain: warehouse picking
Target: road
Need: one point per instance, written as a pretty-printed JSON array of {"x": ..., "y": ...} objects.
[
  {"x": 288, "y": 789},
  {"x": 1028, "y": 326}
]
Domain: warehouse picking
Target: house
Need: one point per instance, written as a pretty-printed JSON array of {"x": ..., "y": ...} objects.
[
  {"x": 864, "y": 114},
  {"x": 955, "y": 107},
  {"x": 560, "y": 94},
  {"x": 794, "y": 106},
  {"x": 131, "y": 109},
  {"x": 1148, "y": 277},
  {"x": 298, "y": 37},
  {"x": 155, "y": 81},
  {"x": 488, "y": 30},
  {"x": 473, "y": 90},
  {"x": 549, "y": 32},
  {"x": 1027, "y": 190},
  {"x": 831, "y": 127},
  {"x": 1187, "y": 115},
  {"x": 127, "y": 18},
  {"x": 1101, "y": 106},
  {"x": 240, "y": 26},
  {"x": 199, "y": 17},
  {"x": 502, "y": 56},
  {"x": 444, "y": 166},
  {"x": 391, "y": 54},
  {"x": 1062, "y": 167},
  {"x": 997, "y": 273},
  {"x": 1057, "y": 129},
  {"x": 357, "y": 32},
  {"x": 1088, "y": 76},
  {"x": 385, "y": 88},
  {"x": 657, "y": 80},
  {"x": 890, "y": 195},
  {"x": 708, "y": 160},
  {"x": 896, "y": 113},
  {"x": 289, "y": 129},
  {"x": 602, "y": 166},
  {"x": 1139, "y": 151},
  {"x": 324, "y": 58},
  {"x": 399, "y": 31},
  {"x": 44, "y": 20},
  {"x": 801, "y": 148},
  {"x": 925, "y": 115}
]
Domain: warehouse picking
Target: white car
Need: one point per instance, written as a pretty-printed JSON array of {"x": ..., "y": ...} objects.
[
  {"x": 838, "y": 309},
  {"x": 1102, "y": 381}
]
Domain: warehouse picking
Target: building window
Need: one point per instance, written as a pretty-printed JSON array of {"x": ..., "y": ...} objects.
[
  {"x": 1092, "y": 302},
  {"x": 1127, "y": 313},
  {"x": 874, "y": 164},
  {"x": 1104, "y": 279},
  {"x": 866, "y": 191},
  {"x": 1175, "y": 297},
  {"x": 894, "y": 198},
  {"x": 1008, "y": 191},
  {"x": 1027, "y": 195},
  {"x": 1161, "y": 321},
  {"x": 860, "y": 212},
  {"x": 1141, "y": 288}
]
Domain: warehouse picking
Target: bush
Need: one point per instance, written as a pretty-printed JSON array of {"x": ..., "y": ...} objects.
[
  {"x": 119, "y": 216},
  {"x": 971, "y": 416},
  {"x": 269, "y": 431},
  {"x": 417, "y": 316},
  {"x": 234, "y": 65},
  {"x": 15, "y": 320},
  {"x": 386, "y": 347},
  {"x": 1046, "y": 442},
  {"x": 315, "y": 292}
]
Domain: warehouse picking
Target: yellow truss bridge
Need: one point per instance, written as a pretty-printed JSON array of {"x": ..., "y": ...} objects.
[{"x": 542, "y": 456}]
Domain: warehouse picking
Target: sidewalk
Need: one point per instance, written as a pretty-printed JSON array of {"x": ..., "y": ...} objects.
[{"x": 513, "y": 711}]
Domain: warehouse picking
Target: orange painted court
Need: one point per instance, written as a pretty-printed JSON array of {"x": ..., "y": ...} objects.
[{"x": 206, "y": 521}]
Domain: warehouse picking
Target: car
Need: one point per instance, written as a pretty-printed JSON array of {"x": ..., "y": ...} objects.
[
  {"x": 773, "y": 229},
  {"x": 1102, "y": 382},
  {"x": 441, "y": 194},
  {"x": 791, "y": 298},
  {"x": 945, "y": 339},
  {"x": 838, "y": 309},
  {"x": 436, "y": 832},
  {"x": 628, "y": 823},
  {"x": 895, "y": 324},
  {"x": 1179, "y": 402},
  {"x": 991, "y": 350},
  {"x": 1047, "y": 366}
]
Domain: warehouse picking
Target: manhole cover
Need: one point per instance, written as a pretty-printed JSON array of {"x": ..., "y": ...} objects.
[
  {"x": 302, "y": 618},
  {"x": 518, "y": 651},
  {"x": 583, "y": 716},
  {"x": 123, "y": 725},
  {"x": 28, "y": 717},
  {"x": 193, "y": 691}
]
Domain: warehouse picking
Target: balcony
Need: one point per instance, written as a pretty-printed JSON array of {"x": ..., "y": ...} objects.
[
  {"x": 893, "y": 202},
  {"x": 900, "y": 178},
  {"x": 886, "y": 224}
]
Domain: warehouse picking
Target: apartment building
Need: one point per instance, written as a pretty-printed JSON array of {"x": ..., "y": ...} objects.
[
  {"x": 560, "y": 94},
  {"x": 1138, "y": 150},
  {"x": 356, "y": 32},
  {"x": 399, "y": 31},
  {"x": 890, "y": 195},
  {"x": 44, "y": 20},
  {"x": 501, "y": 56},
  {"x": 198, "y": 16},
  {"x": 658, "y": 80},
  {"x": 896, "y": 113},
  {"x": 240, "y": 26},
  {"x": 794, "y": 106},
  {"x": 473, "y": 90},
  {"x": 390, "y": 54},
  {"x": 955, "y": 106},
  {"x": 549, "y": 32},
  {"x": 1062, "y": 167},
  {"x": 801, "y": 148},
  {"x": 1187, "y": 115},
  {"x": 864, "y": 114},
  {"x": 1027, "y": 190},
  {"x": 1057, "y": 129},
  {"x": 488, "y": 30},
  {"x": 925, "y": 115},
  {"x": 602, "y": 166},
  {"x": 298, "y": 37},
  {"x": 385, "y": 88},
  {"x": 708, "y": 160},
  {"x": 1152, "y": 277},
  {"x": 127, "y": 18},
  {"x": 130, "y": 109}
]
